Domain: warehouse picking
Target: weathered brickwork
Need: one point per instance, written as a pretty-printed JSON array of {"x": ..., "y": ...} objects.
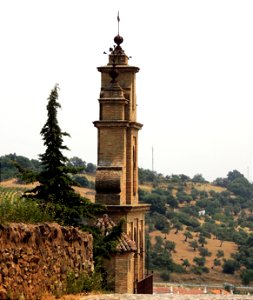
[
  {"x": 121, "y": 268},
  {"x": 118, "y": 131},
  {"x": 117, "y": 171},
  {"x": 113, "y": 143},
  {"x": 35, "y": 259},
  {"x": 135, "y": 228},
  {"x": 124, "y": 267}
]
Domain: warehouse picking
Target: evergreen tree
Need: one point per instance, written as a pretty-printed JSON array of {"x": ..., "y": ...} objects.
[{"x": 55, "y": 192}]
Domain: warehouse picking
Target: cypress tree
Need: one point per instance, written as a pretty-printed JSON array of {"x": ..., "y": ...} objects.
[{"x": 55, "y": 192}]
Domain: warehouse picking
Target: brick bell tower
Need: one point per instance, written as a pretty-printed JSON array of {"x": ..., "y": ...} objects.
[{"x": 117, "y": 165}]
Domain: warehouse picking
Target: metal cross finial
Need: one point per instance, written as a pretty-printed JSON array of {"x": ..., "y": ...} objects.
[{"x": 118, "y": 19}]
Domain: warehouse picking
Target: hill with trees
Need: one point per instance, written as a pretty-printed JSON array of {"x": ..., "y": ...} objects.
[
  {"x": 190, "y": 224},
  {"x": 203, "y": 214}
]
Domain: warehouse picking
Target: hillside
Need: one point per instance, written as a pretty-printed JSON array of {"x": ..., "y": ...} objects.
[
  {"x": 14, "y": 186},
  {"x": 197, "y": 231},
  {"x": 182, "y": 249}
]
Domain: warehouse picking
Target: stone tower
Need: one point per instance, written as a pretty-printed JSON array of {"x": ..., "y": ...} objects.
[{"x": 117, "y": 165}]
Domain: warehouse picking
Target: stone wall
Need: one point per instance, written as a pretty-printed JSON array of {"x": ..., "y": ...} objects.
[{"x": 36, "y": 259}]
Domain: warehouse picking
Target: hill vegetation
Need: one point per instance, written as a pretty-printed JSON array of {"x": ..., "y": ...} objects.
[
  {"x": 196, "y": 229},
  {"x": 25, "y": 169},
  {"x": 203, "y": 214}
]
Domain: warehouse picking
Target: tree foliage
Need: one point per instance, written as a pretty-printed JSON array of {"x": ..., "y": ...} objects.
[
  {"x": 12, "y": 165},
  {"x": 230, "y": 266},
  {"x": 198, "y": 178},
  {"x": 55, "y": 189}
]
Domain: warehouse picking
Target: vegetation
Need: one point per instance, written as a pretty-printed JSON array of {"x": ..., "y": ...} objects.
[
  {"x": 83, "y": 283},
  {"x": 11, "y": 194},
  {"x": 54, "y": 198},
  {"x": 21, "y": 210},
  {"x": 25, "y": 169},
  {"x": 15, "y": 209},
  {"x": 223, "y": 211},
  {"x": 55, "y": 192},
  {"x": 12, "y": 165},
  {"x": 160, "y": 258},
  {"x": 175, "y": 205}
]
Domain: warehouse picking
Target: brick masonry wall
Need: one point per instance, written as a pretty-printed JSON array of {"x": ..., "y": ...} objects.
[
  {"x": 112, "y": 146},
  {"x": 35, "y": 259}
]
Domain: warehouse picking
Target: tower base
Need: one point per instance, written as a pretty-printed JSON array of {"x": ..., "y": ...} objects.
[{"x": 131, "y": 264}]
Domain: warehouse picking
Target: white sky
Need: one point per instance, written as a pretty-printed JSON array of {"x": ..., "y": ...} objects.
[{"x": 194, "y": 88}]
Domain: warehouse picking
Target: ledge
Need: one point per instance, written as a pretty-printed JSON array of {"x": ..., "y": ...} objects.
[
  {"x": 113, "y": 168},
  {"x": 128, "y": 208},
  {"x": 111, "y": 123},
  {"x": 107, "y": 68}
]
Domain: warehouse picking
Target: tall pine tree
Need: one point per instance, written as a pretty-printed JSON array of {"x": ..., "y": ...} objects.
[
  {"x": 56, "y": 196},
  {"x": 55, "y": 192}
]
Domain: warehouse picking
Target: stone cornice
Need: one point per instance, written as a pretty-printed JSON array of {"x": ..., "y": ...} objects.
[
  {"x": 111, "y": 123},
  {"x": 135, "y": 125},
  {"x": 113, "y": 100},
  {"x": 117, "y": 123},
  {"x": 128, "y": 208},
  {"x": 107, "y": 68},
  {"x": 113, "y": 168}
]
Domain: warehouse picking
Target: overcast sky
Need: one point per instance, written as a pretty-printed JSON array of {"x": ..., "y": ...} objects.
[{"x": 194, "y": 88}]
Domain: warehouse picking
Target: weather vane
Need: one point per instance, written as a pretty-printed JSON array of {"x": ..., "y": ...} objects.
[
  {"x": 116, "y": 51},
  {"x": 118, "y": 19}
]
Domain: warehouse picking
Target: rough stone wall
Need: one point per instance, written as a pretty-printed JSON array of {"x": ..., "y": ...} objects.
[{"x": 35, "y": 259}]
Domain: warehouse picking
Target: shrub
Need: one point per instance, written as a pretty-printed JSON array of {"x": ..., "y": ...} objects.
[
  {"x": 228, "y": 287},
  {"x": 170, "y": 246},
  {"x": 230, "y": 266},
  {"x": 81, "y": 180},
  {"x": 178, "y": 268},
  {"x": 247, "y": 276},
  {"x": 83, "y": 283},
  {"x": 23, "y": 210},
  {"x": 198, "y": 270},
  {"x": 157, "y": 221},
  {"x": 188, "y": 220},
  {"x": 204, "y": 252},
  {"x": 186, "y": 263},
  {"x": 165, "y": 275},
  {"x": 199, "y": 261}
]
